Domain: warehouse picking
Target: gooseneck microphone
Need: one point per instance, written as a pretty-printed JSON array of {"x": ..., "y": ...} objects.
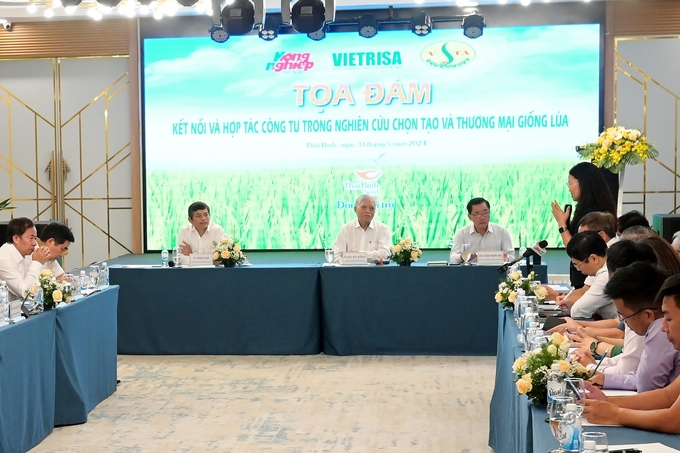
[{"x": 537, "y": 250}]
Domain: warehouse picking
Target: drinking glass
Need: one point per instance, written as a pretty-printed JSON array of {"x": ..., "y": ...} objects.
[
  {"x": 329, "y": 254},
  {"x": 94, "y": 276},
  {"x": 38, "y": 298},
  {"x": 175, "y": 256},
  {"x": 574, "y": 388},
  {"x": 600, "y": 439},
  {"x": 465, "y": 254},
  {"x": 560, "y": 421}
]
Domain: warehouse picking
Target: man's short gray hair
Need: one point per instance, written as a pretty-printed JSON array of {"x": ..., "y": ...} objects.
[
  {"x": 637, "y": 233},
  {"x": 363, "y": 198},
  {"x": 676, "y": 241}
]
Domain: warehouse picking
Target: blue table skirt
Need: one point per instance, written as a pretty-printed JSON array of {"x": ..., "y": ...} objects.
[
  {"x": 409, "y": 310},
  {"x": 86, "y": 371},
  {"x": 249, "y": 310},
  {"x": 27, "y": 382}
]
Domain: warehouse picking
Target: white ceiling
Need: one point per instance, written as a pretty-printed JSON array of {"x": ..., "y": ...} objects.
[{"x": 15, "y": 10}]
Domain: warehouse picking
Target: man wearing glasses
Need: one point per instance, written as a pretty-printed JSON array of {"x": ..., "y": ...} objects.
[
  {"x": 588, "y": 253},
  {"x": 482, "y": 235}
]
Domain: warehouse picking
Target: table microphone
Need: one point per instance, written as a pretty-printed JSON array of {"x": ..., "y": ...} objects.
[{"x": 538, "y": 249}]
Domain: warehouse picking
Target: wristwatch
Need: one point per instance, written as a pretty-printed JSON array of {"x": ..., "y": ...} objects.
[
  {"x": 562, "y": 229},
  {"x": 593, "y": 345}
]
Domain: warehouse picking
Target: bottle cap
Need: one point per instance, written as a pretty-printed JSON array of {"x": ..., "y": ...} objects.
[
  {"x": 533, "y": 324},
  {"x": 571, "y": 407},
  {"x": 82, "y": 272},
  {"x": 589, "y": 445},
  {"x": 555, "y": 367},
  {"x": 104, "y": 263}
]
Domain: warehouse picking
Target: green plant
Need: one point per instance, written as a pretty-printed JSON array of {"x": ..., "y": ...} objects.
[{"x": 4, "y": 205}]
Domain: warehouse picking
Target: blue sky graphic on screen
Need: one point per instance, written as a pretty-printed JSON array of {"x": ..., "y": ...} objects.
[{"x": 280, "y": 137}]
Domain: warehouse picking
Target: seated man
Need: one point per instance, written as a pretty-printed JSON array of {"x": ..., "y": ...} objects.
[
  {"x": 588, "y": 252},
  {"x": 364, "y": 234},
  {"x": 633, "y": 289},
  {"x": 57, "y": 237},
  {"x": 656, "y": 410},
  {"x": 631, "y": 219},
  {"x": 199, "y": 235},
  {"x": 21, "y": 260},
  {"x": 482, "y": 235}
]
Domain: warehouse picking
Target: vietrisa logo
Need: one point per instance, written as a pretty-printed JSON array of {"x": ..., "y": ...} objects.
[
  {"x": 448, "y": 54},
  {"x": 367, "y": 59},
  {"x": 294, "y": 62}
]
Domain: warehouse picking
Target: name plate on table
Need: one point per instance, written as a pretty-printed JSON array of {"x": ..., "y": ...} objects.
[
  {"x": 200, "y": 259},
  {"x": 354, "y": 259},
  {"x": 15, "y": 310},
  {"x": 490, "y": 258}
]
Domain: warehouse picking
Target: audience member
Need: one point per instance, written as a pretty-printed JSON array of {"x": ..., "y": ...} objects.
[{"x": 21, "y": 259}]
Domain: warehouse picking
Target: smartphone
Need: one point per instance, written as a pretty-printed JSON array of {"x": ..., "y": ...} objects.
[{"x": 567, "y": 206}]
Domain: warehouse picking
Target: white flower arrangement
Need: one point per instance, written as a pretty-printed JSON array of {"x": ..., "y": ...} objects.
[
  {"x": 507, "y": 289},
  {"x": 405, "y": 251},
  {"x": 228, "y": 253}
]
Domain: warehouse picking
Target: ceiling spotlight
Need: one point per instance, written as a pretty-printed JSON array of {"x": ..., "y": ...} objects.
[
  {"x": 31, "y": 8},
  {"x": 317, "y": 35},
  {"x": 49, "y": 13},
  {"x": 308, "y": 16},
  {"x": 270, "y": 29},
  {"x": 187, "y": 2},
  {"x": 421, "y": 24},
  {"x": 368, "y": 26},
  {"x": 473, "y": 26},
  {"x": 218, "y": 34},
  {"x": 109, "y": 3},
  {"x": 238, "y": 17}
]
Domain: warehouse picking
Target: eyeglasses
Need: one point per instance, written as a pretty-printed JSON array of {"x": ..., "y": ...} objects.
[
  {"x": 480, "y": 214},
  {"x": 569, "y": 183},
  {"x": 578, "y": 265},
  {"x": 623, "y": 318}
]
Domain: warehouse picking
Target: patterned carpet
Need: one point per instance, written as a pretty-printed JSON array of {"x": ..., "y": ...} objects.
[{"x": 291, "y": 404}]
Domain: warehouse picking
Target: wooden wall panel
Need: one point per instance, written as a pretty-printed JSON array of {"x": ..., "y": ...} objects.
[
  {"x": 645, "y": 17},
  {"x": 66, "y": 38}
]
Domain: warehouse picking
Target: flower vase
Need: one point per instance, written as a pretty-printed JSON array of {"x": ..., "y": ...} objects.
[
  {"x": 405, "y": 263},
  {"x": 229, "y": 264},
  {"x": 619, "y": 196}
]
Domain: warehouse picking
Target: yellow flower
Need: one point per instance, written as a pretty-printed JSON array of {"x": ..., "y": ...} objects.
[
  {"x": 46, "y": 273},
  {"x": 225, "y": 254},
  {"x": 237, "y": 248},
  {"x": 224, "y": 241},
  {"x": 216, "y": 255},
  {"x": 519, "y": 364},
  {"x": 397, "y": 248},
  {"x": 512, "y": 296},
  {"x": 56, "y": 295},
  {"x": 420, "y": 252},
  {"x": 515, "y": 275},
  {"x": 541, "y": 292},
  {"x": 499, "y": 297},
  {"x": 564, "y": 347},
  {"x": 524, "y": 386},
  {"x": 68, "y": 299},
  {"x": 564, "y": 366},
  {"x": 558, "y": 339},
  {"x": 408, "y": 241},
  {"x": 551, "y": 349},
  {"x": 414, "y": 256}
]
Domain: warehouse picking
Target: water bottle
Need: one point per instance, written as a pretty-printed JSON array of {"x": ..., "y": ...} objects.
[
  {"x": 520, "y": 305},
  {"x": 589, "y": 446},
  {"x": 4, "y": 301},
  {"x": 572, "y": 428},
  {"x": 532, "y": 332},
  {"x": 104, "y": 274},
  {"x": 164, "y": 258},
  {"x": 555, "y": 384},
  {"x": 83, "y": 282}
]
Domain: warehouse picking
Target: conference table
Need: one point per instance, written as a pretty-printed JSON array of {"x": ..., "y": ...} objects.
[
  {"x": 55, "y": 367},
  {"x": 298, "y": 309},
  {"x": 518, "y": 426}
]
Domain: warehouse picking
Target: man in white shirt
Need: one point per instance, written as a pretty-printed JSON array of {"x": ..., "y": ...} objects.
[
  {"x": 364, "y": 234},
  {"x": 588, "y": 252},
  {"x": 57, "y": 237},
  {"x": 482, "y": 235},
  {"x": 199, "y": 235},
  {"x": 21, "y": 260}
]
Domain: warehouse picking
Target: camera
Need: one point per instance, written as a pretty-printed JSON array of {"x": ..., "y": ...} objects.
[{"x": 7, "y": 25}]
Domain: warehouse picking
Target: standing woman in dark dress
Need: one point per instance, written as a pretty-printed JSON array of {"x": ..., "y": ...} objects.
[{"x": 589, "y": 190}]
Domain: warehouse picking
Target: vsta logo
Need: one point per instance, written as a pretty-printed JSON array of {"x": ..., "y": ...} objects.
[
  {"x": 290, "y": 62},
  {"x": 448, "y": 54},
  {"x": 372, "y": 174}
]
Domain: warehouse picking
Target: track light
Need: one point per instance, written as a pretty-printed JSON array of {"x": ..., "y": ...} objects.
[
  {"x": 238, "y": 18},
  {"x": 473, "y": 26},
  {"x": 270, "y": 29},
  {"x": 308, "y": 16},
  {"x": 368, "y": 26},
  {"x": 421, "y": 24},
  {"x": 218, "y": 34},
  {"x": 109, "y": 3},
  {"x": 187, "y": 2},
  {"x": 317, "y": 35}
]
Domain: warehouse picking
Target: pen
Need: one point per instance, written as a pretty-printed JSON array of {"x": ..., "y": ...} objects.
[{"x": 600, "y": 363}]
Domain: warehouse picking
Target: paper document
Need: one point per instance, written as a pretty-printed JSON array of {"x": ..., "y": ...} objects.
[
  {"x": 609, "y": 392},
  {"x": 646, "y": 448}
]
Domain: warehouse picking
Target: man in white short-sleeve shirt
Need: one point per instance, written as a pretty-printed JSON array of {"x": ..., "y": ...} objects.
[
  {"x": 364, "y": 234},
  {"x": 21, "y": 260},
  {"x": 57, "y": 237},
  {"x": 199, "y": 235}
]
